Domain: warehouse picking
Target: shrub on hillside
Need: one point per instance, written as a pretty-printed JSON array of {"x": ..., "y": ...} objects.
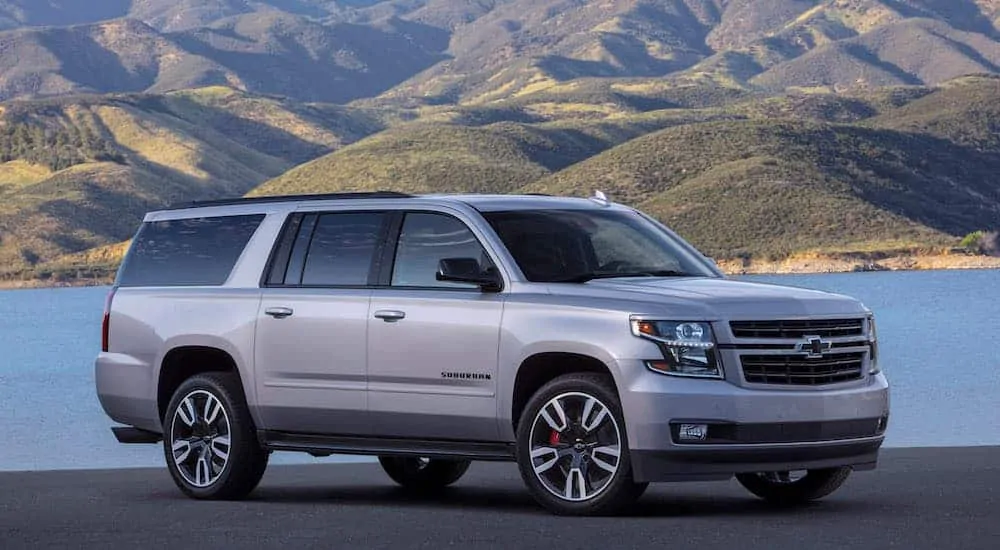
[{"x": 982, "y": 242}]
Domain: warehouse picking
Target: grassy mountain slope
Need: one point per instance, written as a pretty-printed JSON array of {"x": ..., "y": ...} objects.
[
  {"x": 80, "y": 172},
  {"x": 914, "y": 51},
  {"x": 870, "y": 171},
  {"x": 773, "y": 187},
  {"x": 499, "y": 157},
  {"x": 265, "y": 52},
  {"x": 433, "y": 52},
  {"x": 167, "y": 15},
  {"x": 756, "y": 127},
  {"x": 277, "y": 53},
  {"x": 965, "y": 111},
  {"x": 518, "y": 47},
  {"x": 528, "y": 45}
]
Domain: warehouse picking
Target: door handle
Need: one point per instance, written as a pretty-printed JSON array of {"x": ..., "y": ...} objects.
[
  {"x": 390, "y": 316},
  {"x": 279, "y": 312}
]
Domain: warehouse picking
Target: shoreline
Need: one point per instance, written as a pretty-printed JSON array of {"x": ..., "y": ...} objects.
[
  {"x": 817, "y": 264},
  {"x": 823, "y": 264}
]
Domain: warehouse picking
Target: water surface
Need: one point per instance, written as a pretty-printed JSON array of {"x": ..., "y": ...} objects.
[{"x": 939, "y": 349}]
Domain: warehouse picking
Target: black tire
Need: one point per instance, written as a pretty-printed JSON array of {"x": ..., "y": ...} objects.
[
  {"x": 246, "y": 461},
  {"x": 423, "y": 474},
  {"x": 616, "y": 491},
  {"x": 815, "y": 485}
]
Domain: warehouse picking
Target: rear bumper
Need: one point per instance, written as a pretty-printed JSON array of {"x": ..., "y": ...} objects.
[
  {"x": 697, "y": 464},
  {"x": 123, "y": 387}
]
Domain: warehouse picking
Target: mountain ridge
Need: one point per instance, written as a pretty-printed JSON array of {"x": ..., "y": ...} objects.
[
  {"x": 436, "y": 51},
  {"x": 765, "y": 112}
]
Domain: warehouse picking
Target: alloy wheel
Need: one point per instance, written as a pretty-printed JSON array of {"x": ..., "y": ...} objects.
[
  {"x": 575, "y": 446},
  {"x": 201, "y": 438}
]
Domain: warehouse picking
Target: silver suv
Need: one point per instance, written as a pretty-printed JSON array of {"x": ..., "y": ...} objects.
[{"x": 579, "y": 338}]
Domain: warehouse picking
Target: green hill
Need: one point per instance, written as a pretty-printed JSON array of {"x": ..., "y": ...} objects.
[
  {"x": 78, "y": 173},
  {"x": 776, "y": 187},
  {"x": 768, "y": 177},
  {"x": 965, "y": 111},
  {"x": 499, "y": 157}
]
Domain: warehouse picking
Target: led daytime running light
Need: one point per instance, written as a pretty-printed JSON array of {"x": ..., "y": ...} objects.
[{"x": 647, "y": 329}]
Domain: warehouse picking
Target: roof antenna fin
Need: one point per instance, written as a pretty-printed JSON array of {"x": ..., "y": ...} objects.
[{"x": 600, "y": 197}]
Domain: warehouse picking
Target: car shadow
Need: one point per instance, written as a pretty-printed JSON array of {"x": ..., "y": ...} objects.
[{"x": 518, "y": 501}]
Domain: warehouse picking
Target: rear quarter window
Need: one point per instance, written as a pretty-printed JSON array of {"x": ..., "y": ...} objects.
[{"x": 187, "y": 252}]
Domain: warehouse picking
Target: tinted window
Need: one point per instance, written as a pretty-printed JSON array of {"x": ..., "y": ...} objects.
[
  {"x": 342, "y": 248},
  {"x": 555, "y": 245},
  {"x": 427, "y": 238},
  {"x": 189, "y": 252}
]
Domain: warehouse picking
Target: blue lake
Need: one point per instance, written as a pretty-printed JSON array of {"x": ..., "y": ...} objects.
[{"x": 938, "y": 331}]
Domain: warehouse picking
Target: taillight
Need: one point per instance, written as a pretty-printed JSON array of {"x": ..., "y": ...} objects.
[{"x": 106, "y": 323}]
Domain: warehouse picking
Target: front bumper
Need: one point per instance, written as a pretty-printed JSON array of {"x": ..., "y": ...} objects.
[
  {"x": 749, "y": 429},
  {"x": 696, "y": 464}
]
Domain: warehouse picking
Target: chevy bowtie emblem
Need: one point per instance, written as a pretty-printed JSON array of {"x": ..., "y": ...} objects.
[{"x": 813, "y": 346}]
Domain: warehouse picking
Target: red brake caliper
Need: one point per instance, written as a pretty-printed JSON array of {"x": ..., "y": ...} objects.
[{"x": 554, "y": 438}]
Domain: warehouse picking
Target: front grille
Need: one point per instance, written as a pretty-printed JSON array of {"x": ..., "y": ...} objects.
[
  {"x": 799, "y": 370},
  {"x": 798, "y": 328}
]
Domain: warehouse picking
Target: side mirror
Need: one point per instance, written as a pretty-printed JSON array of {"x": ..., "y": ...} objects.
[{"x": 467, "y": 270}]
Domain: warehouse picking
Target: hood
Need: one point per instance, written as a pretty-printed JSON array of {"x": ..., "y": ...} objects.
[{"x": 718, "y": 298}]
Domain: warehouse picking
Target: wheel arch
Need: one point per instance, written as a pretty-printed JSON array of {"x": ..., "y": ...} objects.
[
  {"x": 182, "y": 362},
  {"x": 542, "y": 367}
]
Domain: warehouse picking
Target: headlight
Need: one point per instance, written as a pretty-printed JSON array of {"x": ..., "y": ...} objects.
[
  {"x": 873, "y": 345},
  {"x": 688, "y": 347}
]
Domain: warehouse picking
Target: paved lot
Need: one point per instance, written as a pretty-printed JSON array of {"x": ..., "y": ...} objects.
[{"x": 935, "y": 499}]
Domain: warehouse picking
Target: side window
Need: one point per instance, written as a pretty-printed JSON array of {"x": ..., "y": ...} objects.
[
  {"x": 187, "y": 252},
  {"x": 341, "y": 248},
  {"x": 424, "y": 240}
]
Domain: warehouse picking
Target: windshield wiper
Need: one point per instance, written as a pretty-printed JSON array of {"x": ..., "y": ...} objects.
[{"x": 584, "y": 277}]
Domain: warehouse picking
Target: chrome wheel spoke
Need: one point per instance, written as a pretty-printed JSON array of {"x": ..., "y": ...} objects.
[
  {"x": 558, "y": 423},
  {"x": 212, "y": 409},
  {"x": 182, "y": 449},
  {"x": 220, "y": 447},
  {"x": 203, "y": 470},
  {"x": 600, "y": 455},
  {"x": 575, "y": 480},
  {"x": 546, "y": 465},
  {"x": 591, "y": 420},
  {"x": 187, "y": 413}
]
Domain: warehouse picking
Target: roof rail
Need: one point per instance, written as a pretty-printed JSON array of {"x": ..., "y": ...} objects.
[{"x": 290, "y": 198}]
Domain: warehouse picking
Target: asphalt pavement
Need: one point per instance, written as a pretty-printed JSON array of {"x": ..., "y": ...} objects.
[{"x": 927, "y": 498}]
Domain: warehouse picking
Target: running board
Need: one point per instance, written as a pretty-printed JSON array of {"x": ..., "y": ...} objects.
[
  {"x": 323, "y": 445},
  {"x": 128, "y": 434}
]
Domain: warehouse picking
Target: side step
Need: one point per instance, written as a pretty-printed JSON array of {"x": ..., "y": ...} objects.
[
  {"x": 128, "y": 434},
  {"x": 321, "y": 445}
]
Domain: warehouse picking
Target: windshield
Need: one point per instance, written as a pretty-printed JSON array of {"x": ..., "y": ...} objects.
[{"x": 580, "y": 245}]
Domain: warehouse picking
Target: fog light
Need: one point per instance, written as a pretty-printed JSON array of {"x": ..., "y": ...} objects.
[{"x": 693, "y": 432}]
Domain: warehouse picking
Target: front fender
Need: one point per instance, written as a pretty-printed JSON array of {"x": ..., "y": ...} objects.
[{"x": 603, "y": 335}]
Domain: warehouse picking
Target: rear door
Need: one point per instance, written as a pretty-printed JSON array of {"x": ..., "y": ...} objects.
[
  {"x": 432, "y": 348},
  {"x": 311, "y": 346}
]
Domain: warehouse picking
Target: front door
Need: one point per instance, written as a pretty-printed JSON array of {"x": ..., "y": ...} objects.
[
  {"x": 432, "y": 345},
  {"x": 311, "y": 342}
]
